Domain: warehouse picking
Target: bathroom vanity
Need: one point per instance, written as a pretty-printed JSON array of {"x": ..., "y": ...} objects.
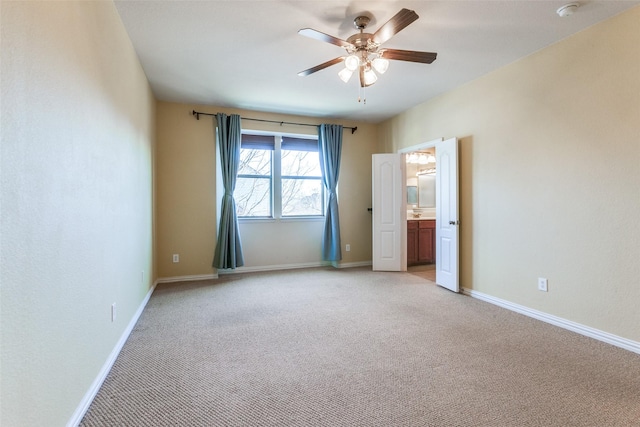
[
  {"x": 421, "y": 210},
  {"x": 421, "y": 241}
]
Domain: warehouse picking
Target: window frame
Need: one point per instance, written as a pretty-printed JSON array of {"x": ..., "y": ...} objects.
[{"x": 276, "y": 178}]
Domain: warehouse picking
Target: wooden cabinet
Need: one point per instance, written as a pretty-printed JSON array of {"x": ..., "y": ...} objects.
[
  {"x": 412, "y": 242},
  {"x": 426, "y": 241},
  {"x": 421, "y": 241}
]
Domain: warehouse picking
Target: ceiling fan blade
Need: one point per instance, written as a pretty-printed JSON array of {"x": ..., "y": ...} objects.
[
  {"x": 314, "y": 34},
  {"x": 409, "y": 55},
  {"x": 394, "y": 25},
  {"x": 322, "y": 66}
]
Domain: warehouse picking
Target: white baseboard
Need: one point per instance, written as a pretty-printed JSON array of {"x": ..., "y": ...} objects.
[
  {"x": 191, "y": 278},
  {"x": 588, "y": 331},
  {"x": 353, "y": 264},
  {"x": 259, "y": 268},
  {"x": 274, "y": 267},
  {"x": 294, "y": 266},
  {"x": 102, "y": 375}
]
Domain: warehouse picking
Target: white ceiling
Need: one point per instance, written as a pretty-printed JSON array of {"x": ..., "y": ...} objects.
[{"x": 246, "y": 54}]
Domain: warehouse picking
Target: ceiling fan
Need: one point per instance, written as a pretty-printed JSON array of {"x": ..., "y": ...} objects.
[{"x": 364, "y": 51}]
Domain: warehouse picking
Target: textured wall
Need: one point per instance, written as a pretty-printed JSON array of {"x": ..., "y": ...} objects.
[
  {"x": 77, "y": 143},
  {"x": 186, "y": 199},
  {"x": 550, "y": 175}
]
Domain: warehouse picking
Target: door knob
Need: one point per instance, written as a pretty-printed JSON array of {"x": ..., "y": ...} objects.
[{"x": 454, "y": 222}]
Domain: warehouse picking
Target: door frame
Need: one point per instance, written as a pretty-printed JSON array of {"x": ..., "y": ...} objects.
[{"x": 403, "y": 152}]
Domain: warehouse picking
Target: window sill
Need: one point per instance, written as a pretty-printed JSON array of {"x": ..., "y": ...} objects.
[{"x": 283, "y": 219}]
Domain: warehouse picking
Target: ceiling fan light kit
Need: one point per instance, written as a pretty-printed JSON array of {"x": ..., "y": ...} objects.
[
  {"x": 381, "y": 65},
  {"x": 345, "y": 74},
  {"x": 351, "y": 62},
  {"x": 364, "y": 53},
  {"x": 369, "y": 76}
]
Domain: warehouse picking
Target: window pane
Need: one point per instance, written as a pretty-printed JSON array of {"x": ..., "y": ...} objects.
[
  {"x": 302, "y": 197},
  {"x": 300, "y": 163},
  {"x": 254, "y": 162},
  {"x": 253, "y": 196}
]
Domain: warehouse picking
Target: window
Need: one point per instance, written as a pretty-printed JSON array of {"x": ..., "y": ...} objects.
[
  {"x": 253, "y": 193},
  {"x": 279, "y": 176},
  {"x": 302, "y": 188}
]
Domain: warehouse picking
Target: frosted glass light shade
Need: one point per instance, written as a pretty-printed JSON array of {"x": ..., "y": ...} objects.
[
  {"x": 345, "y": 74},
  {"x": 369, "y": 77},
  {"x": 351, "y": 62},
  {"x": 380, "y": 64}
]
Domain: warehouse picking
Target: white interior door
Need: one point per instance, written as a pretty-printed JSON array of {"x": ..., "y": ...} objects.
[
  {"x": 389, "y": 213},
  {"x": 447, "y": 223}
]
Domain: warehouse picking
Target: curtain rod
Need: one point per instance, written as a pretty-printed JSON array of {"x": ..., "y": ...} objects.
[{"x": 198, "y": 114}]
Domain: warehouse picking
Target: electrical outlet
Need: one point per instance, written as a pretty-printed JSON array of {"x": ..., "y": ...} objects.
[
  {"x": 542, "y": 284},
  {"x": 347, "y": 247},
  {"x": 113, "y": 312},
  {"x": 176, "y": 258}
]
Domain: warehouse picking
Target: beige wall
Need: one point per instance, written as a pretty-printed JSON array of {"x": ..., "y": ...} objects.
[
  {"x": 550, "y": 176},
  {"x": 77, "y": 143},
  {"x": 186, "y": 196},
  {"x": 550, "y": 172}
]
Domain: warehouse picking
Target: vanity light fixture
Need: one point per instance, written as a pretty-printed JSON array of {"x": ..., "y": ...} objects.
[
  {"x": 412, "y": 158},
  {"x": 420, "y": 158}
]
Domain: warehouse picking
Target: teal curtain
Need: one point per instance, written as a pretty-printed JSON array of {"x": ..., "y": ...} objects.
[
  {"x": 330, "y": 150},
  {"x": 228, "y": 252}
]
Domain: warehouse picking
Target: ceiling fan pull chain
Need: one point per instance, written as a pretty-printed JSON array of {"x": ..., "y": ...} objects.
[{"x": 362, "y": 98}]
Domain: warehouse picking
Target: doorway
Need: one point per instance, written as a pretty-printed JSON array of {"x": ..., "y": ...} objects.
[
  {"x": 389, "y": 200},
  {"x": 446, "y": 210},
  {"x": 425, "y": 271},
  {"x": 420, "y": 170}
]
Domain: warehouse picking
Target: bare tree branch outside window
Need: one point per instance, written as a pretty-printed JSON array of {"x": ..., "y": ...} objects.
[
  {"x": 302, "y": 191},
  {"x": 253, "y": 186}
]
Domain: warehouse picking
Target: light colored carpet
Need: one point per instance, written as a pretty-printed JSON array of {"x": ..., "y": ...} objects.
[{"x": 350, "y": 347}]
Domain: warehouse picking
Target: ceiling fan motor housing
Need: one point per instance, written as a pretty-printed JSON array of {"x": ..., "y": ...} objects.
[
  {"x": 361, "y": 22},
  {"x": 363, "y": 41}
]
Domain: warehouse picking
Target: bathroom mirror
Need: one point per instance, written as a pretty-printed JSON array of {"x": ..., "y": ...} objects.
[{"x": 427, "y": 190}]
